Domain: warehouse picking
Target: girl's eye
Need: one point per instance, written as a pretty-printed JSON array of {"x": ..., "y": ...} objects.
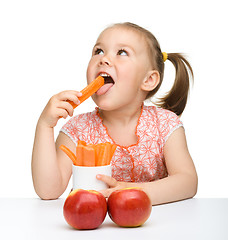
[
  {"x": 122, "y": 52},
  {"x": 98, "y": 51}
]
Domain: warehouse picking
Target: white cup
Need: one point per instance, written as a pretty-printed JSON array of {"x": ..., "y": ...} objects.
[{"x": 85, "y": 177}]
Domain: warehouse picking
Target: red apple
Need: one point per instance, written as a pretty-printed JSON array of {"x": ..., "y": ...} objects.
[
  {"x": 85, "y": 209},
  {"x": 129, "y": 207}
]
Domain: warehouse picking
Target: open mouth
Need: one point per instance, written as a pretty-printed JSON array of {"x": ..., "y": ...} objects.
[
  {"x": 107, "y": 78},
  {"x": 109, "y": 82}
]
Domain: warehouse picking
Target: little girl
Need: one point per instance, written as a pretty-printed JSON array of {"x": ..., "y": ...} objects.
[{"x": 151, "y": 148}]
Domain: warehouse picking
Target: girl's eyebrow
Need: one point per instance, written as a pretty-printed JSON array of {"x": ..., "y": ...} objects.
[
  {"x": 124, "y": 45},
  {"x": 97, "y": 44},
  {"x": 120, "y": 45}
]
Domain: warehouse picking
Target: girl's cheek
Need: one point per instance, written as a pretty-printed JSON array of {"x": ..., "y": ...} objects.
[{"x": 89, "y": 72}]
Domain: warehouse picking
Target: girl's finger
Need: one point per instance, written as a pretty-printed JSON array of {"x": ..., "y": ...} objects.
[
  {"x": 66, "y": 106},
  {"x": 110, "y": 181},
  {"x": 70, "y": 95},
  {"x": 62, "y": 113}
]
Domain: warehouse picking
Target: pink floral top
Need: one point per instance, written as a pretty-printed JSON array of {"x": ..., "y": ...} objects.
[{"x": 140, "y": 162}]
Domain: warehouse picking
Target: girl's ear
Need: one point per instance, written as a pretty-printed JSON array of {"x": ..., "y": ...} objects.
[{"x": 151, "y": 81}]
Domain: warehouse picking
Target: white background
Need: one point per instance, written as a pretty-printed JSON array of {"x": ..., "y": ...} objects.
[{"x": 45, "y": 47}]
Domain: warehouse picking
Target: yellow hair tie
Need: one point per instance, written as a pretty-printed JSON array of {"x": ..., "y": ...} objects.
[{"x": 165, "y": 56}]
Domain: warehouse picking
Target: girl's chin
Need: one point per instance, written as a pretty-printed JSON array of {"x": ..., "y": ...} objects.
[
  {"x": 106, "y": 107},
  {"x": 105, "y": 104}
]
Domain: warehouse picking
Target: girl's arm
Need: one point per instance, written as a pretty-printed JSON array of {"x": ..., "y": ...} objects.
[
  {"x": 51, "y": 168},
  {"x": 181, "y": 182}
]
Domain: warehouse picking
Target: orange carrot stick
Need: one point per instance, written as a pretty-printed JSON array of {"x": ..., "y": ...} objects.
[
  {"x": 108, "y": 153},
  {"x": 105, "y": 155},
  {"x": 81, "y": 143},
  {"x": 100, "y": 154},
  {"x": 113, "y": 149},
  {"x": 79, "y": 154},
  {"x": 69, "y": 153},
  {"x": 89, "y": 90},
  {"x": 88, "y": 156},
  {"x": 97, "y": 150}
]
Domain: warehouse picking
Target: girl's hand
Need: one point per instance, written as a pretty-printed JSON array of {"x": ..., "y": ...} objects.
[
  {"x": 58, "y": 106},
  {"x": 112, "y": 183}
]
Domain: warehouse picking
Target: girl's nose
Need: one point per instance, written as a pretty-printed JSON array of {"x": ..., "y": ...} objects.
[{"x": 105, "y": 60}]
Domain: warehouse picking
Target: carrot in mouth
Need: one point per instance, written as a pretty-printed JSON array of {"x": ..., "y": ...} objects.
[{"x": 89, "y": 90}]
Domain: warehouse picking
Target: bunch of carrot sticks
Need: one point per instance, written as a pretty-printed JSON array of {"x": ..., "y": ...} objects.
[{"x": 91, "y": 155}]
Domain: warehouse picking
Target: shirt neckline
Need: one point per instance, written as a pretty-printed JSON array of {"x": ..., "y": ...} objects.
[{"x": 136, "y": 129}]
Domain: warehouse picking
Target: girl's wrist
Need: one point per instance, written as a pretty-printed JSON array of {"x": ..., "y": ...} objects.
[{"x": 43, "y": 125}]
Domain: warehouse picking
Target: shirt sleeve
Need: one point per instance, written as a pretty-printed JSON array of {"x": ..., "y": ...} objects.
[
  {"x": 168, "y": 123},
  {"x": 70, "y": 129}
]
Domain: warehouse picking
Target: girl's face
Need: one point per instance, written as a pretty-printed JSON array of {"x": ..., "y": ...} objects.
[{"x": 120, "y": 55}]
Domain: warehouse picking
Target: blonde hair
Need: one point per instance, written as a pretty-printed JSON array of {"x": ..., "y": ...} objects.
[{"x": 175, "y": 100}]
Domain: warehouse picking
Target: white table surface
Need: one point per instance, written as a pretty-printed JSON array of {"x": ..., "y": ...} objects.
[{"x": 189, "y": 219}]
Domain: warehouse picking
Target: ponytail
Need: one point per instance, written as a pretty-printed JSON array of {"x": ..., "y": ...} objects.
[{"x": 175, "y": 100}]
